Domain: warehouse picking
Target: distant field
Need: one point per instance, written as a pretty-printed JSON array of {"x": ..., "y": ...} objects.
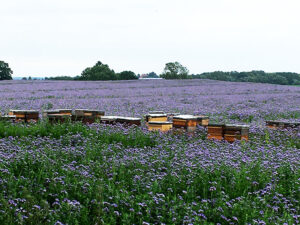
[{"x": 100, "y": 174}]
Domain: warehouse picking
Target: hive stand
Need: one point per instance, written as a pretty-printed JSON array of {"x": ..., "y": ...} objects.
[
  {"x": 160, "y": 126},
  {"x": 233, "y": 132},
  {"x": 25, "y": 115},
  {"x": 215, "y": 131},
  {"x": 186, "y": 122}
]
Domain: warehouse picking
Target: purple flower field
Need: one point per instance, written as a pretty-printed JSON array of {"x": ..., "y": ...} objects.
[{"x": 101, "y": 174}]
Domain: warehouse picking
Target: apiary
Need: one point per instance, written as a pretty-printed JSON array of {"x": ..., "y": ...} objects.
[
  {"x": 59, "y": 118},
  {"x": 156, "y": 117},
  {"x": 215, "y": 131},
  {"x": 129, "y": 121},
  {"x": 25, "y": 115},
  {"x": 187, "y": 122},
  {"x": 202, "y": 120},
  {"x": 233, "y": 132},
  {"x": 160, "y": 126}
]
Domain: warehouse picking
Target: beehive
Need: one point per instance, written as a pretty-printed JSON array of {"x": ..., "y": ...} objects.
[
  {"x": 88, "y": 112},
  {"x": 160, "y": 126},
  {"x": 275, "y": 124},
  {"x": 129, "y": 121},
  {"x": 215, "y": 131},
  {"x": 57, "y": 112},
  {"x": 233, "y": 132},
  {"x": 25, "y": 115},
  {"x": 59, "y": 118},
  {"x": 156, "y": 117},
  {"x": 187, "y": 122},
  {"x": 109, "y": 119},
  {"x": 202, "y": 120}
]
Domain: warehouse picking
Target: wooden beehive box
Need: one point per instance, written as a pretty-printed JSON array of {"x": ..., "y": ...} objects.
[
  {"x": 129, "y": 121},
  {"x": 160, "y": 126},
  {"x": 57, "y": 112},
  {"x": 233, "y": 132},
  {"x": 88, "y": 112},
  {"x": 156, "y": 117},
  {"x": 187, "y": 122},
  {"x": 215, "y": 131},
  {"x": 202, "y": 120},
  {"x": 109, "y": 119},
  {"x": 275, "y": 124},
  {"x": 25, "y": 115},
  {"x": 59, "y": 118}
]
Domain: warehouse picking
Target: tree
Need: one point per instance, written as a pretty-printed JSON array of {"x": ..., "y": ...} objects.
[
  {"x": 174, "y": 70},
  {"x": 5, "y": 71},
  {"x": 127, "y": 75},
  {"x": 99, "y": 71}
]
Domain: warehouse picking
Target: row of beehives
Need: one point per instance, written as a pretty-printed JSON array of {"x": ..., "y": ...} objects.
[{"x": 156, "y": 120}]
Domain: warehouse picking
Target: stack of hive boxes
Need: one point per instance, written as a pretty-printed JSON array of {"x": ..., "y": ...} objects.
[
  {"x": 24, "y": 115},
  {"x": 158, "y": 120},
  {"x": 186, "y": 122},
  {"x": 228, "y": 132}
]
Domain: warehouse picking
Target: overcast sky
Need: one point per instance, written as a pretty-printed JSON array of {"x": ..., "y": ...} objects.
[{"x": 63, "y": 37}]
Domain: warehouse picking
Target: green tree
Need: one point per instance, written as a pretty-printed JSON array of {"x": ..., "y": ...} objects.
[
  {"x": 5, "y": 71},
  {"x": 99, "y": 71},
  {"x": 174, "y": 70},
  {"x": 127, "y": 75}
]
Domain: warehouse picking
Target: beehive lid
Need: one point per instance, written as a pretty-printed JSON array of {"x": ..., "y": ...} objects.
[
  {"x": 185, "y": 117},
  {"x": 156, "y": 115},
  {"x": 129, "y": 118},
  {"x": 160, "y": 123},
  {"x": 23, "y": 111},
  {"x": 109, "y": 118}
]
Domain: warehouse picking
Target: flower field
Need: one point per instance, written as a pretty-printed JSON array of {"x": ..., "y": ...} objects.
[{"x": 101, "y": 174}]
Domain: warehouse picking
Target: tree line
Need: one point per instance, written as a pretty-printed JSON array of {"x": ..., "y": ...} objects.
[{"x": 172, "y": 70}]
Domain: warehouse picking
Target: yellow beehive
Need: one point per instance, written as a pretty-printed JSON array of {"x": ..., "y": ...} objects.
[{"x": 160, "y": 126}]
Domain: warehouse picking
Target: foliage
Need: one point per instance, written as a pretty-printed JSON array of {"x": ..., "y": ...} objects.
[
  {"x": 174, "y": 70},
  {"x": 127, "y": 75},
  {"x": 5, "y": 71},
  {"x": 253, "y": 76},
  {"x": 99, "y": 71}
]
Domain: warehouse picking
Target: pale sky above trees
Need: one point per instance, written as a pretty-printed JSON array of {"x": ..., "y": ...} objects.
[{"x": 63, "y": 37}]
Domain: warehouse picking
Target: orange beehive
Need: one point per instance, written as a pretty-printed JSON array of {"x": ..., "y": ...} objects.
[
  {"x": 215, "y": 131},
  {"x": 160, "y": 126},
  {"x": 233, "y": 132},
  {"x": 57, "y": 112},
  {"x": 187, "y": 122}
]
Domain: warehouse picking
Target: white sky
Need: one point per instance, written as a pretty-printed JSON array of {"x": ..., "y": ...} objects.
[{"x": 63, "y": 37}]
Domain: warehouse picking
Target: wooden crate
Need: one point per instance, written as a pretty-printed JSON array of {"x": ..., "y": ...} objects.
[
  {"x": 233, "y": 132},
  {"x": 160, "y": 126},
  {"x": 156, "y": 117},
  {"x": 59, "y": 118},
  {"x": 202, "y": 120},
  {"x": 187, "y": 122},
  {"x": 215, "y": 131}
]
